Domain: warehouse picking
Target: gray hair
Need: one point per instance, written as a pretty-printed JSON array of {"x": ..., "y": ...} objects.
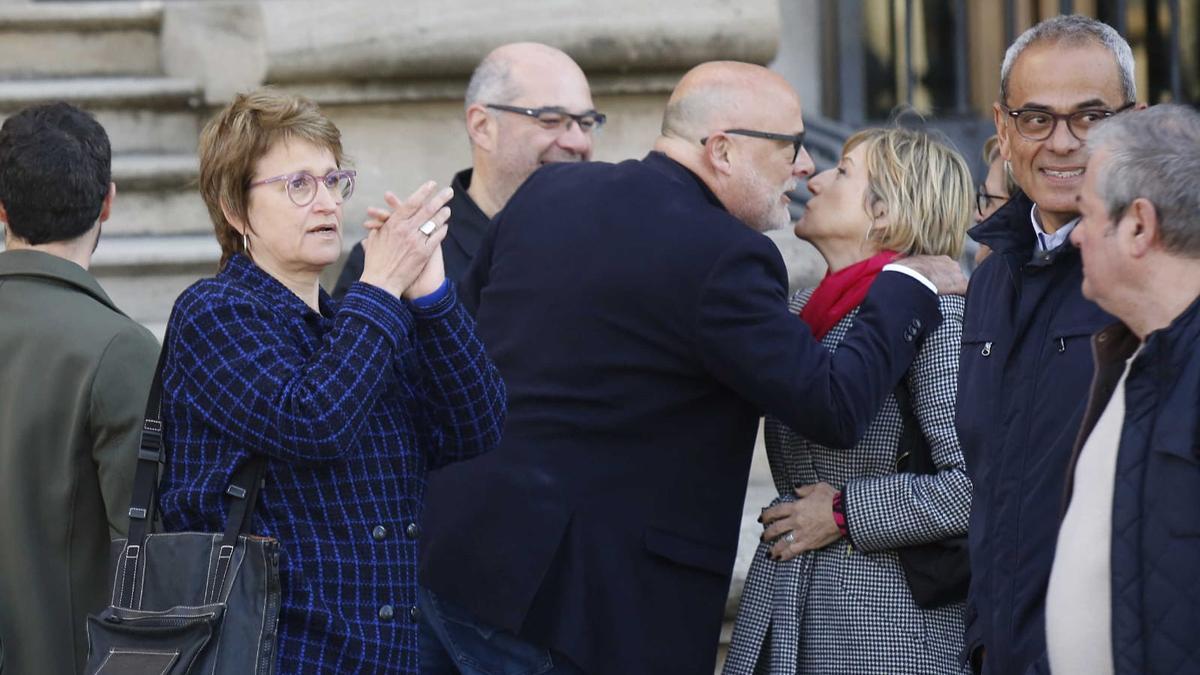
[
  {"x": 1154, "y": 154},
  {"x": 1073, "y": 29},
  {"x": 492, "y": 82}
]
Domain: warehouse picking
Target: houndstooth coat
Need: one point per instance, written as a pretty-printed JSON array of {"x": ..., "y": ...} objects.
[{"x": 846, "y": 608}]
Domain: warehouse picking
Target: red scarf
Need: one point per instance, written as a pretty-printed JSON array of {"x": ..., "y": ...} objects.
[{"x": 842, "y": 291}]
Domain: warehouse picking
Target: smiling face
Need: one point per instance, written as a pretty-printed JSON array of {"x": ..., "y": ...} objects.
[
  {"x": 836, "y": 220},
  {"x": 289, "y": 241},
  {"x": 1059, "y": 78},
  {"x": 523, "y": 143}
]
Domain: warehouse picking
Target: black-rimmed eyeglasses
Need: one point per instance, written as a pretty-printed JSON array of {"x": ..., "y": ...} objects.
[
  {"x": 1036, "y": 124},
  {"x": 554, "y": 117},
  {"x": 984, "y": 200},
  {"x": 797, "y": 140}
]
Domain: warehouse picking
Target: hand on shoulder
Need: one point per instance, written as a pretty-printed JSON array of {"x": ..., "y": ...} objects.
[{"x": 942, "y": 271}]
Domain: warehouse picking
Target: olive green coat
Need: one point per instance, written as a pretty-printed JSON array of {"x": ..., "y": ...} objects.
[{"x": 74, "y": 375}]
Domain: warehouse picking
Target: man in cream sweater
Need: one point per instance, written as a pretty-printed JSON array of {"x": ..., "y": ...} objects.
[{"x": 1122, "y": 595}]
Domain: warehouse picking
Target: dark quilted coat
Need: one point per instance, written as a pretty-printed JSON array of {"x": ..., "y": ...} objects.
[
  {"x": 1022, "y": 387},
  {"x": 1156, "y": 498}
]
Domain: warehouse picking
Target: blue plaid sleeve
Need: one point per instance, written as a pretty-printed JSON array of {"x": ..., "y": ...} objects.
[
  {"x": 463, "y": 390},
  {"x": 247, "y": 376}
]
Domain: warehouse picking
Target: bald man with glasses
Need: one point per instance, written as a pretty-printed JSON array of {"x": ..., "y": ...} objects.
[
  {"x": 527, "y": 104},
  {"x": 638, "y": 316}
]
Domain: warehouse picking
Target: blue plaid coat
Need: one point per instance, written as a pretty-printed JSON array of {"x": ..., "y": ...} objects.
[{"x": 352, "y": 405}]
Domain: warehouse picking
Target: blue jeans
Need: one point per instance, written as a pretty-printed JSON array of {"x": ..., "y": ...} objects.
[{"x": 453, "y": 641}]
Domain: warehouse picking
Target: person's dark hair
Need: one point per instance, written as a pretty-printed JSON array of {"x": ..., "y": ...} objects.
[{"x": 55, "y": 169}]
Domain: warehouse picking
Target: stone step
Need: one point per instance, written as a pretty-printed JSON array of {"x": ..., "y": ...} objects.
[
  {"x": 145, "y": 274},
  {"x": 156, "y": 194},
  {"x": 140, "y": 114},
  {"x": 122, "y": 254},
  {"x": 159, "y": 212},
  {"x": 74, "y": 39},
  {"x": 150, "y": 171}
]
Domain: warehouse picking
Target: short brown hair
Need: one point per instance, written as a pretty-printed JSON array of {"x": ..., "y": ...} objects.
[
  {"x": 242, "y": 133},
  {"x": 924, "y": 186}
]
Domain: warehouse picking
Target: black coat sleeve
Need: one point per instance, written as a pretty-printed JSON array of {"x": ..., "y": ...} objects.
[
  {"x": 350, "y": 272},
  {"x": 749, "y": 341}
]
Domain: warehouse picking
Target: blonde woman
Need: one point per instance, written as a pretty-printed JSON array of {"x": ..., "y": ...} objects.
[{"x": 826, "y": 591}]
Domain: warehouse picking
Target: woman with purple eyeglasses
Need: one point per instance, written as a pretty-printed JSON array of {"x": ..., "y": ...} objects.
[{"x": 349, "y": 404}]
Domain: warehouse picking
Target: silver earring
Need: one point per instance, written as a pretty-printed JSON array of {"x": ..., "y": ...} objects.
[{"x": 245, "y": 243}]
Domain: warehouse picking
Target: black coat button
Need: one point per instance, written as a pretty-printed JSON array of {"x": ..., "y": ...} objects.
[
  {"x": 414, "y": 613},
  {"x": 379, "y": 533},
  {"x": 413, "y": 530},
  {"x": 386, "y": 612}
]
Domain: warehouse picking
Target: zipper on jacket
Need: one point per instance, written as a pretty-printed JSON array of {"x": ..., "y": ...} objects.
[
  {"x": 987, "y": 349},
  {"x": 1062, "y": 346},
  {"x": 161, "y": 620}
]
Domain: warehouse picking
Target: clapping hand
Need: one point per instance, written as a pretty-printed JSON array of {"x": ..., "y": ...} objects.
[{"x": 402, "y": 251}]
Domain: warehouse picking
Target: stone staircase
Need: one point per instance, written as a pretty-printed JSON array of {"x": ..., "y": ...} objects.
[{"x": 106, "y": 57}]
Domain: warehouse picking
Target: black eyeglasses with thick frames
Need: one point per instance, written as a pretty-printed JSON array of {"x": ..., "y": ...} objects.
[
  {"x": 554, "y": 117},
  {"x": 797, "y": 140},
  {"x": 984, "y": 199},
  {"x": 1036, "y": 124}
]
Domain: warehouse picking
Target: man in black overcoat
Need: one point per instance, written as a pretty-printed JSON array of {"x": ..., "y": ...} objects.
[{"x": 638, "y": 316}]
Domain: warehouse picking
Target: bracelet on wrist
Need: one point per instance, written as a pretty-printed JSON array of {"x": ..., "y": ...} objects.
[{"x": 839, "y": 514}]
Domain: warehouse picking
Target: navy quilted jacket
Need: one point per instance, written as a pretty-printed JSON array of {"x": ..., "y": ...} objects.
[
  {"x": 1156, "y": 498},
  {"x": 1022, "y": 387},
  {"x": 351, "y": 405}
]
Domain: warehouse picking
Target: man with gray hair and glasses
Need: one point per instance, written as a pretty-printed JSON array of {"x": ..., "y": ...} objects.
[
  {"x": 527, "y": 104},
  {"x": 1026, "y": 362},
  {"x": 1123, "y": 596}
]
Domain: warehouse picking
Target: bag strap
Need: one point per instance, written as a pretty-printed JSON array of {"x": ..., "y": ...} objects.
[
  {"x": 144, "y": 500},
  {"x": 243, "y": 490},
  {"x": 913, "y": 452}
]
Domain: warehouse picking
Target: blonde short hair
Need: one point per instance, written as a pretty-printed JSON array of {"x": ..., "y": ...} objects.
[
  {"x": 924, "y": 186},
  {"x": 991, "y": 152},
  {"x": 242, "y": 133}
]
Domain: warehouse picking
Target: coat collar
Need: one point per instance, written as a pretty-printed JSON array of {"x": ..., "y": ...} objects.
[
  {"x": 1175, "y": 342},
  {"x": 1009, "y": 228},
  {"x": 31, "y": 263},
  {"x": 468, "y": 224},
  {"x": 1010, "y": 231},
  {"x": 1173, "y": 346},
  {"x": 242, "y": 271},
  {"x": 661, "y": 162}
]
